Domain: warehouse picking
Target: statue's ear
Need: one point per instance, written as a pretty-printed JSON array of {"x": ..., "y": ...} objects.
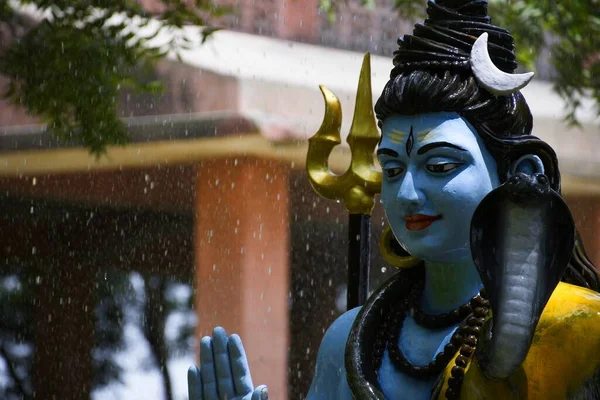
[{"x": 528, "y": 164}]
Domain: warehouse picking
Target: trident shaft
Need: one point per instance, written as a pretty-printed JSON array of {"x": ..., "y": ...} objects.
[{"x": 358, "y": 185}]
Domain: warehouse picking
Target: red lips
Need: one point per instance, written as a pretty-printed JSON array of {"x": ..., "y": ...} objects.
[{"x": 416, "y": 222}]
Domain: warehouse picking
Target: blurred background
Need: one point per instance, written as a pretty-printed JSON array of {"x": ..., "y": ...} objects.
[{"x": 152, "y": 178}]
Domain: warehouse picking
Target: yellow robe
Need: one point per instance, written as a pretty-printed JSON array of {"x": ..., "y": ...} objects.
[{"x": 565, "y": 352}]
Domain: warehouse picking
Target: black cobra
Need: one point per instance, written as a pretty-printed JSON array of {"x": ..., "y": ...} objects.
[{"x": 522, "y": 238}]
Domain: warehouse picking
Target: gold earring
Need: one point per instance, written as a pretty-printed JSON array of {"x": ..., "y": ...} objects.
[{"x": 391, "y": 256}]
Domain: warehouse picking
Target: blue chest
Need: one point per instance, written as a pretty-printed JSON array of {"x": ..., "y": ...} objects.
[{"x": 419, "y": 346}]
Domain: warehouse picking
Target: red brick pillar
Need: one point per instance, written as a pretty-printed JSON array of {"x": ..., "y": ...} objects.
[
  {"x": 298, "y": 21},
  {"x": 242, "y": 261}
]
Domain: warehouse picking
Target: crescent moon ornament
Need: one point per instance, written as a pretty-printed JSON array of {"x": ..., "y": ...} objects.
[{"x": 491, "y": 77}]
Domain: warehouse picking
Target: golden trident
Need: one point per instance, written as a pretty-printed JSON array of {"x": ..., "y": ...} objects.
[{"x": 358, "y": 185}]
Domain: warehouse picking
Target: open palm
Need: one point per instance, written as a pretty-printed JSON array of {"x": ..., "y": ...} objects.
[{"x": 224, "y": 372}]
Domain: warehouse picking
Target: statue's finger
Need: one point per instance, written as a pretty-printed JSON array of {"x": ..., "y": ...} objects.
[
  {"x": 194, "y": 384},
  {"x": 260, "y": 393},
  {"x": 242, "y": 380},
  {"x": 207, "y": 370},
  {"x": 222, "y": 363}
]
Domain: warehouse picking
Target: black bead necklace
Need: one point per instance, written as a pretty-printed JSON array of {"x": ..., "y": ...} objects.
[
  {"x": 442, "y": 320},
  {"x": 464, "y": 338},
  {"x": 474, "y": 325}
]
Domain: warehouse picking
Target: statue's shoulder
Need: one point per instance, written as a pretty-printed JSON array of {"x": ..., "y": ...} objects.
[
  {"x": 330, "y": 373},
  {"x": 563, "y": 361},
  {"x": 565, "y": 351},
  {"x": 334, "y": 341},
  {"x": 571, "y": 304},
  {"x": 569, "y": 327}
]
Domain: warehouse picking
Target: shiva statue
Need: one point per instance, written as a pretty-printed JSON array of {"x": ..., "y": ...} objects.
[{"x": 495, "y": 297}]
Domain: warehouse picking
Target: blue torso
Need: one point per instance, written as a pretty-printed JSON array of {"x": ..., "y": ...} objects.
[{"x": 418, "y": 345}]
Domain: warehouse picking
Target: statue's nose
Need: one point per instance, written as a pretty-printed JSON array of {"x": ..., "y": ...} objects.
[{"x": 410, "y": 196}]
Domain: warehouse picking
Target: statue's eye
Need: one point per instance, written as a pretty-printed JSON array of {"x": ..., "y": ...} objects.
[
  {"x": 393, "y": 172},
  {"x": 442, "y": 168}
]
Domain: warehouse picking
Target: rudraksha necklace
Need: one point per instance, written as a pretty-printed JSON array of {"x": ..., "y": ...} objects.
[{"x": 471, "y": 317}]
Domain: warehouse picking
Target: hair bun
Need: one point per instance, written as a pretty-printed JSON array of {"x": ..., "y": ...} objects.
[
  {"x": 444, "y": 41},
  {"x": 474, "y": 10}
]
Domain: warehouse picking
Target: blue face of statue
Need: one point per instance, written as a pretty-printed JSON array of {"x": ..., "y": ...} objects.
[{"x": 436, "y": 170}]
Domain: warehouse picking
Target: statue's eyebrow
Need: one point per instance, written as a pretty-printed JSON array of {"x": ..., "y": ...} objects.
[
  {"x": 429, "y": 146},
  {"x": 387, "y": 152}
]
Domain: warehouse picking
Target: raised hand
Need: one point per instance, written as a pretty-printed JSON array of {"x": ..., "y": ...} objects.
[{"x": 224, "y": 373}]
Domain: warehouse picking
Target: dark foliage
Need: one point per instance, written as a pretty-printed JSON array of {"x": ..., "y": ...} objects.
[{"x": 68, "y": 62}]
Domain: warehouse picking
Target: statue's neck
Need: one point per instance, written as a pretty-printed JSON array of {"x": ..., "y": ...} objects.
[{"x": 449, "y": 285}]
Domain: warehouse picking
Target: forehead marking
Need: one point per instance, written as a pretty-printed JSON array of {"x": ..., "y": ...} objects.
[
  {"x": 410, "y": 142},
  {"x": 422, "y": 134},
  {"x": 430, "y": 135},
  {"x": 426, "y": 135},
  {"x": 396, "y": 136}
]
